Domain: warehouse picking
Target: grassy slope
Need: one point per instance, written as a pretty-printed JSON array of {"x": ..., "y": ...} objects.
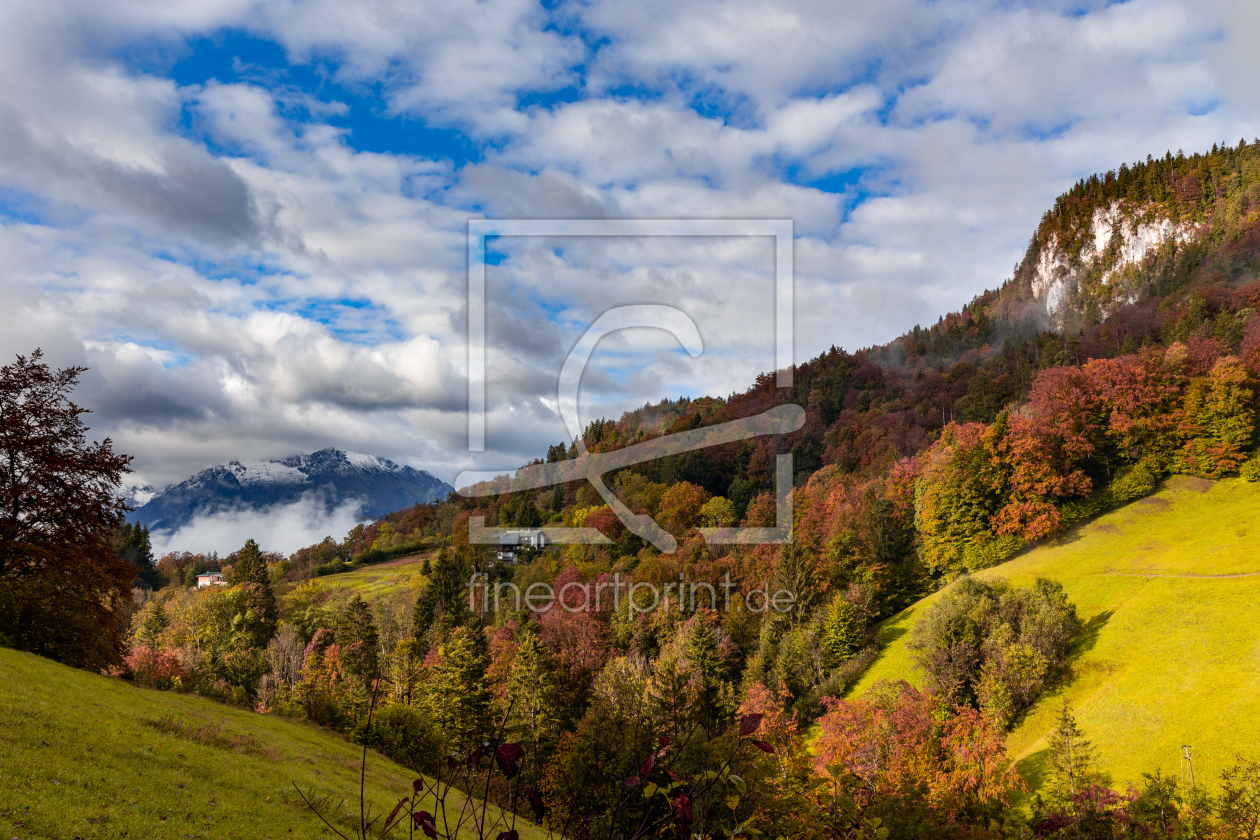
[
  {"x": 374, "y": 582},
  {"x": 1168, "y": 588},
  {"x": 81, "y": 760}
]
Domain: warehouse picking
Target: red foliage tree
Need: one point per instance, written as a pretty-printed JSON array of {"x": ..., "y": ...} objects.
[
  {"x": 606, "y": 522},
  {"x": 573, "y": 636},
  {"x": 64, "y": 593},
  {"x": 154, "y": 668},
  {"x": 904, "y": 743},
  {"x": 1142, "y": 397},
  {"x": 1043, "y": 448}
]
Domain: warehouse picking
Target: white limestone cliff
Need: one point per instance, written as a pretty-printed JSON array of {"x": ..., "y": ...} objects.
[{"x": 1142, "y": 230}]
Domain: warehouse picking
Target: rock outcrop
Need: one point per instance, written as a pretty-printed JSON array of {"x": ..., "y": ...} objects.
[{"x": 1067, "y": 276}]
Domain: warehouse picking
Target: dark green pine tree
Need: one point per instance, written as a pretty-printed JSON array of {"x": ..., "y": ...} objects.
[
  {"x": 527, "y": 515},
  {"x": 460, "y": 694},
  {"x": 359, "y": 639},
  {"x": 535, "y": 716},
  {"x": 444, "y": 599},
  {"x": 702, "y": 652},
  {"x": 841, "y": 633},
  {"x": 250, "y": 567},
  {"x": 795, "y": 573},
  {"x": 154, "y": 623},
  {"x": 132, "y": 544}
]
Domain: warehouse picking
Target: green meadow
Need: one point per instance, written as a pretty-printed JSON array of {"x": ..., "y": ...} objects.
[
  {"x": 1168, "y": 589},
  {"x": 374, "y": 582},
  {"x": 88, "y": 756}
]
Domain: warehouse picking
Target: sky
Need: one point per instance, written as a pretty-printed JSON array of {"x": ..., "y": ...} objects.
[{"x": 249, "y": 218}]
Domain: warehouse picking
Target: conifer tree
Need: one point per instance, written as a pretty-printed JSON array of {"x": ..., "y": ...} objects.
[
  {"x": 445, "y": 596},
  {"x": 842, "y": 633},
  {"x": 358, "y": 638},
  {"x": 1071, "y": 755},
  {"x": 132, "y": 544},
  {"x": 250, "y": 568},
  {"x": 1219, "y": 420},
  {"x": 702, "y": 652},
  {"x": 671, "y": 693},
  {"x": 460, "y": 694},
  {"x": 795, "y": 573},
  {"x": 534, "y": 718},
  {"x": 154, "y": 623}
]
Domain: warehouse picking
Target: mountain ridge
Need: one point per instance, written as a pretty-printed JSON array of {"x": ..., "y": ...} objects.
[{"x": 329, "y": 477}]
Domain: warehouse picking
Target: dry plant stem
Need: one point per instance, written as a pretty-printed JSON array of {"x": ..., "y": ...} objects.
[
  {"x": 363, "y": 825},
  {"x": 316, "y": 812}
]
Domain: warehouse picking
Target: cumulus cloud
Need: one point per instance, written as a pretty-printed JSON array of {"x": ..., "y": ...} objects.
[{"x": 245, "y": 278}]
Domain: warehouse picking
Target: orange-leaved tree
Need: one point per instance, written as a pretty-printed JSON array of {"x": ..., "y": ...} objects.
[{"x": 909, "y": 745}]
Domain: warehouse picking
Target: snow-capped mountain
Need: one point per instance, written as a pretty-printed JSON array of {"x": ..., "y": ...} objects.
[
  {"x": 137, "y": 495},
  {"x": 330, "y": 477}
]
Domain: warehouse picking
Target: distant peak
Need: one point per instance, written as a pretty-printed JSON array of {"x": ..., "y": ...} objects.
[
  {"x": 362, "y": 461},
  {"x": 333, "y": 476}
]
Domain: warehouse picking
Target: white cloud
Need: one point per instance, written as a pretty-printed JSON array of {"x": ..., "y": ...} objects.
[
  {"x": 243, "y": 283},
  {"x": 283, "y": 528}
]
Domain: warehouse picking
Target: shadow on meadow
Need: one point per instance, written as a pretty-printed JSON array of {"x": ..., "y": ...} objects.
[
  {"x": 1089, "y": 634},
  {"x": 892, "y": 634}
]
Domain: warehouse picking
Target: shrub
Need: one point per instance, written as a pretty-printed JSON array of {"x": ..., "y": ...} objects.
[
  {"x": 990, "y": 550},
  {"x": 994, "y": 646},
  {"x": 408, "y": 735},
  {"x": 1135, "y": 482},
  {"x": 333, "y": 567},
  {"x": 811, "y": 706},
  {"x": 154, "y": 668},
  {"x": 1251, "y": 470}
]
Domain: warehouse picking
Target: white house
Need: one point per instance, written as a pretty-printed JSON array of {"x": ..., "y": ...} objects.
[
  {"x": 211, "y": 579},
  {"x": 511, "y": 543}
]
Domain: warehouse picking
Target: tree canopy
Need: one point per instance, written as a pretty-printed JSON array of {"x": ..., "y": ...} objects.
[{"x": 63, "y": 590}]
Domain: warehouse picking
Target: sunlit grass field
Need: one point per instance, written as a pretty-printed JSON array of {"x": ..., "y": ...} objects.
[
  {"x": 374, "y": 582},
  {"x": 83, "y": 755},
  {"x": 1169, "y": 590}
]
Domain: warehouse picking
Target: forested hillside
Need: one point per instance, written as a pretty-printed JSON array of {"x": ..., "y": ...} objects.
[
  {"x": 1159, "y": 377},
  {"x": 1124, "y": 350}
]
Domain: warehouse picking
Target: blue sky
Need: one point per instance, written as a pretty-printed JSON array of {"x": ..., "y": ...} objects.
[
  {"x": 305, "y": 90},
  {"x": 249, "y": 219}
]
